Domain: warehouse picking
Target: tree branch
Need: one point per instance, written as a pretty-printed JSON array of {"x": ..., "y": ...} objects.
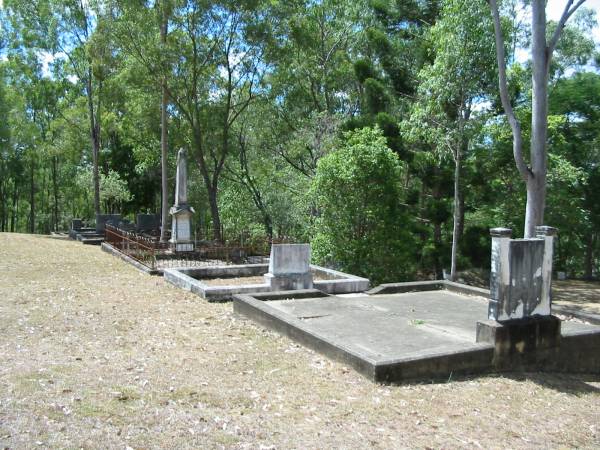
[
  {"x": 568, "y": 12},
  {"x": 515, "y": 126}
]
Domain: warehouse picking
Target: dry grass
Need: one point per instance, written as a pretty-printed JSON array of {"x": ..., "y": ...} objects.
[
  {"x": 577, "y": 295},
  {"x": 95, "y": 354}
]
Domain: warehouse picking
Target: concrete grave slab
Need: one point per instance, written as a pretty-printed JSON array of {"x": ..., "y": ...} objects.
[
  {"x": 191, "y": 279},
  {"x": 419, "y": 334}
]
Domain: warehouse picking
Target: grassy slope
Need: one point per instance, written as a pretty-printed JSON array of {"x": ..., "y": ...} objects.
[{"x": 94, "y": 354}]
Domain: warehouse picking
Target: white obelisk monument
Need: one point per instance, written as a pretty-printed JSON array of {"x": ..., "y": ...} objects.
[{"x": 181, "y": 234}]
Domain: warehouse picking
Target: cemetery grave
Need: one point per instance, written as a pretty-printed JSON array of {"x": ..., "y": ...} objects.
[
  {"x": 98, "y": 355},
  {"x": 140, "y": 246},
  {"x": 337, "y": 149},
  {"x": 289, "y": 268},
  {"x": 425, "y": 330}
]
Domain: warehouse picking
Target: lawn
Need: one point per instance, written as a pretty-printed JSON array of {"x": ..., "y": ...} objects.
[{"x": 94, "y": 354}]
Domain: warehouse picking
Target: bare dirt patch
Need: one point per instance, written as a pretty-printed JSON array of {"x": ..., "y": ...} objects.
[{"x": 95, "y": 354}]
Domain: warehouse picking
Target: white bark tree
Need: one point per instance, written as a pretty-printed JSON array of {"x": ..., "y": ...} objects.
[{"x": 534, "y": 173}]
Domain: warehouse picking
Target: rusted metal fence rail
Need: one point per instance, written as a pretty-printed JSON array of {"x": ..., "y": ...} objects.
[
  {"x": 140, "y": 248},
  {"x": 154, "y": 254}
]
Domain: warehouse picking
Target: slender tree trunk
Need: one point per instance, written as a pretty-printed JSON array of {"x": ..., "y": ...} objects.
[
  {"x": 55, "y": 190},
  {"x": 3, "y": 203},
  {"x": 461, "y": 223},
  {"x": 164, "y": 137},
  {"x": 32, "y": 200},
  {"x": 50, "y": 218},
  {"x": 211, "y": 186},
  {"x": 95, "y": 141},
  {"x": 457, "y": 214},
  {"x": 589, "y": 255},
  {"x": 266, "y": 217},
  {"x": 268, "y": 224},
  {"x": 15, "y": 207},
  {"x": 43, "y": 204},
  {"x": 536, "y": 182},
  {"x": 214, "y": 212},
  {"x": 437, "y": 243}
]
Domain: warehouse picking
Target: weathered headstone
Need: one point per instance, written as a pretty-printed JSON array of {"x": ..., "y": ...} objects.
[
  {"x": 125, "y": 225},
  {"x": 76, "y": 224},
  {"x": 521, "y": 274},
  {"x": 181, "y": 232},
  {"x": 519, "y": 322},
  {"x": 103, "y": 219},
  {"x": 289, "y": 267},
  {"x": 147, "y": 222}
]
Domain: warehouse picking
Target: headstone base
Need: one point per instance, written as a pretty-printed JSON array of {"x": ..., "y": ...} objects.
[
  {"x": 183, "y": 246},
  {"x": 288, "y": 282},
  {"x": 181, "y": 237},
  {"x": 521, "y": 342}
]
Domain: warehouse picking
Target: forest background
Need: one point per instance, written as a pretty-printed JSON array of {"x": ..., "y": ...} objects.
[{"x": 373, "y": 129}]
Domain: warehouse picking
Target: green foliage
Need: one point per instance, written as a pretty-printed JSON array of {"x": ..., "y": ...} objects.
[
  {"x": 259, "y": 93},
  {"x": 114, "y": 191},
  {"x": 362, "y": 227}
]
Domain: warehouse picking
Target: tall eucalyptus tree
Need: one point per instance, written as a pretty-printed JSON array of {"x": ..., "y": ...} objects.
[{"x": 543, "y": 44}]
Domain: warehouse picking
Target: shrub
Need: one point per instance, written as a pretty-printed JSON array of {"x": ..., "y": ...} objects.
[{"x": 362, "y": 227}]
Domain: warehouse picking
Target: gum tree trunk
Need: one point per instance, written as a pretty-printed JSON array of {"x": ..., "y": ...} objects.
[
  {"x": 589, "y": 255},
  {"x": 533, "y": 175},
  {"x": 32, "y": 201},
  {"x": 536, "y": 180},
  {"x": 55, "y": 189},
  {"x": 164, "y": 137},
  {"x": 456, "y": 215},
  {"x": 214, "y": 212},
  {"x": 95, "y": 139},
  {"x": 15, "y": 207}
]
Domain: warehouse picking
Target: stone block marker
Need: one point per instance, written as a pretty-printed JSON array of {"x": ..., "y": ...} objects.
[
  {"x": 76, "y": 224},
  {"x": 520, "y": 324},
  {"x": 289, "y": 267},
  {"x": 521, "y": 274},
  {"x": 103, "y": 219},
  {"x": 147, "y": 222}
]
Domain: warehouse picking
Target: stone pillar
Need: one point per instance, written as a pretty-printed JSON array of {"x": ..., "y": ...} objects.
[
  {"x": 520, "y": 324},
  {"x": 289, "y": 267},
  {"x": 548, "y": 234},
  {"x": 181, "y": 230},
  {"x": 500, "y": 271}
]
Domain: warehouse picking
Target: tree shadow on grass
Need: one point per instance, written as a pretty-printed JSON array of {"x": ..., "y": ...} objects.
[
  {"x": 573, "y": 384},
  {"x": 577, "y": 295}
]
